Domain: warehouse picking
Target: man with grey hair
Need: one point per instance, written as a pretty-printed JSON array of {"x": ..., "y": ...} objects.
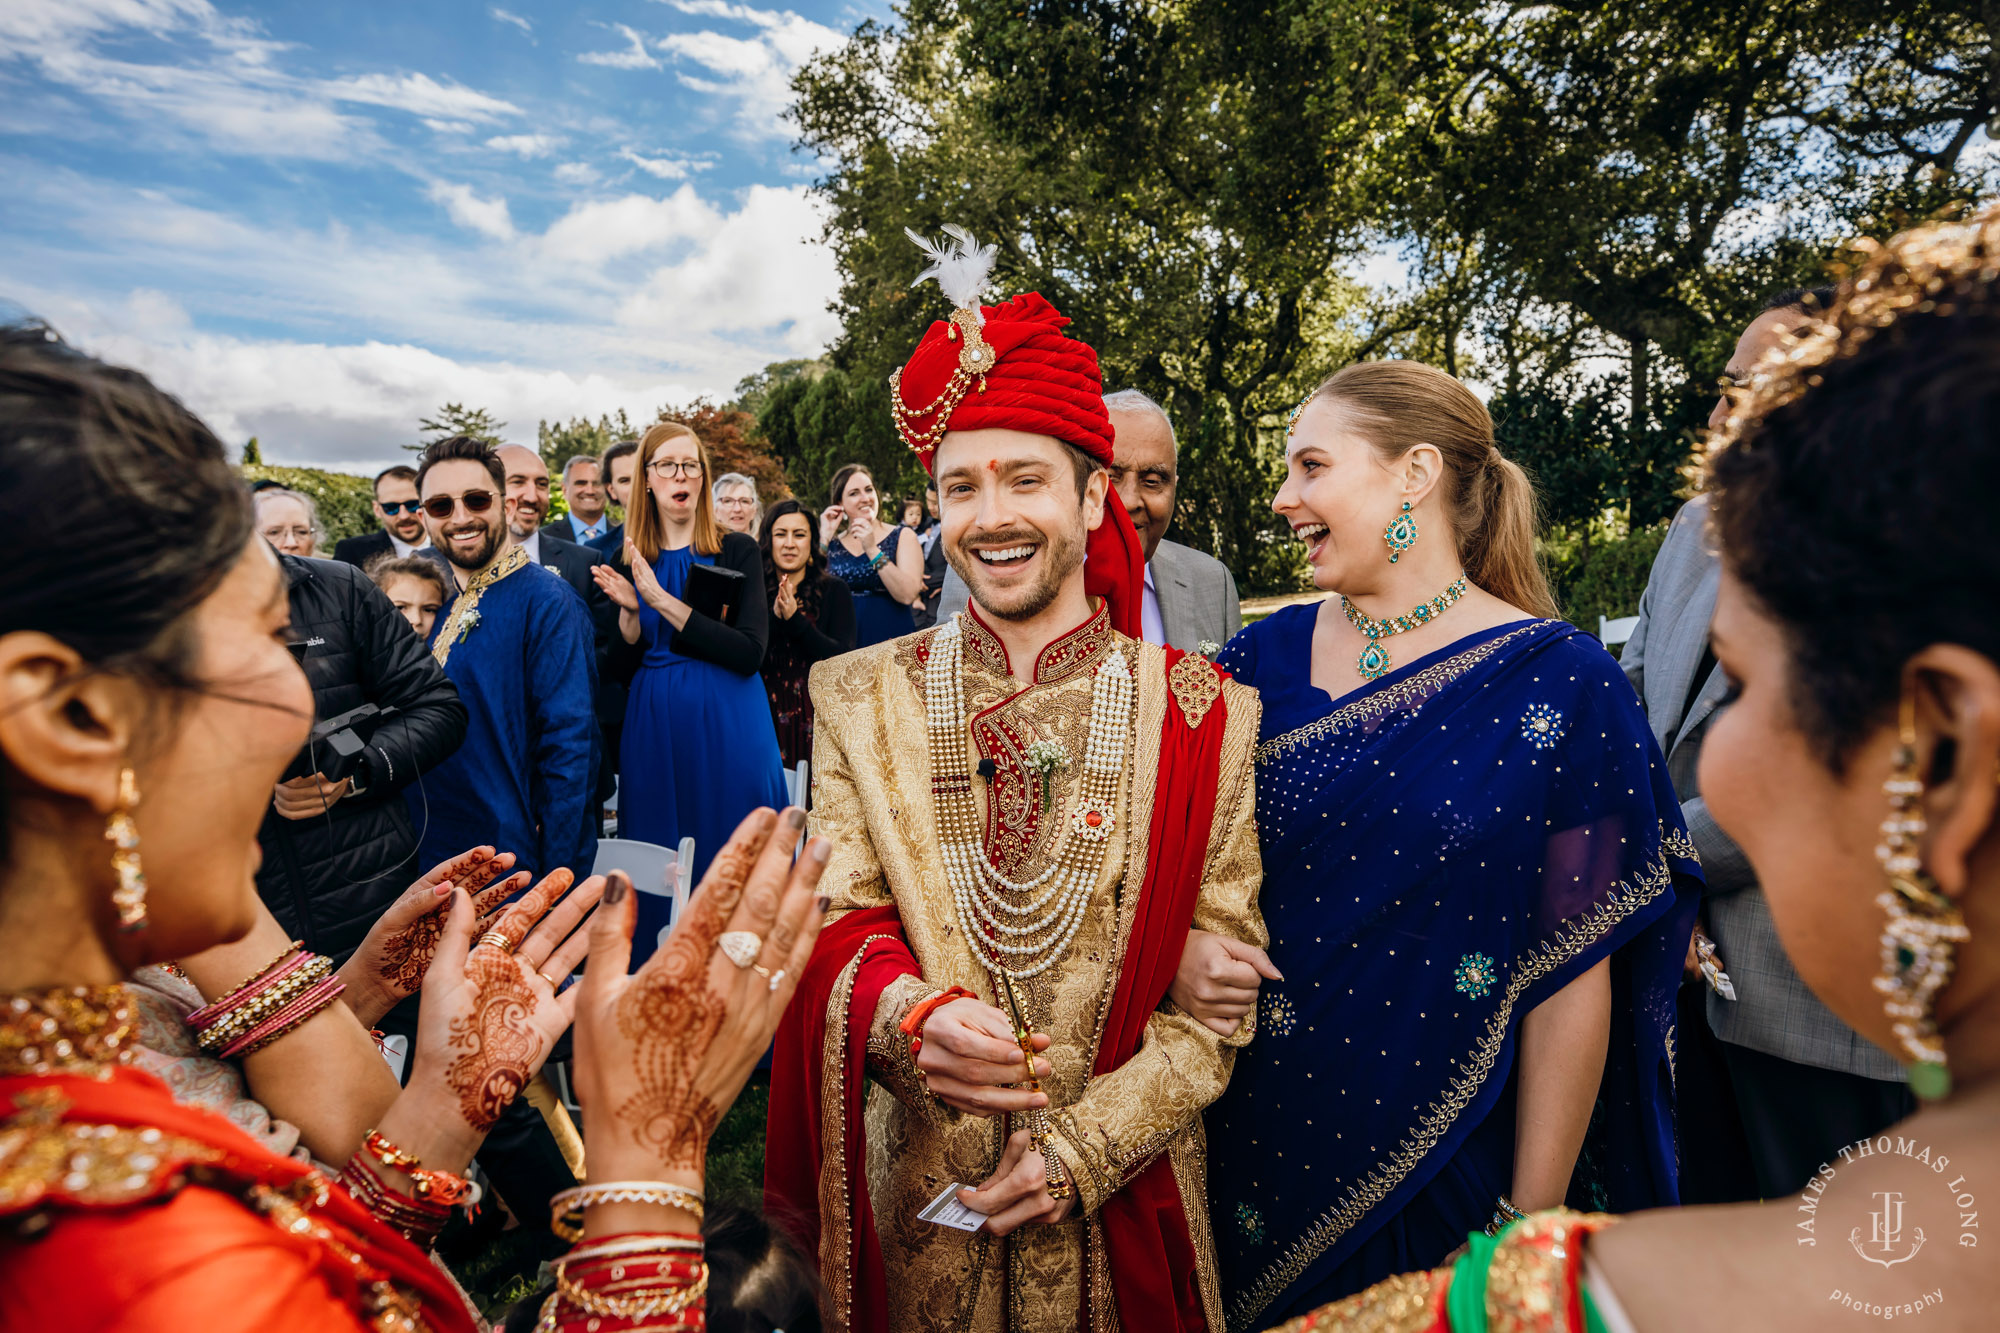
[
  {"x": 583, "y": 492},
  {"x": 1190, "y": 598}
]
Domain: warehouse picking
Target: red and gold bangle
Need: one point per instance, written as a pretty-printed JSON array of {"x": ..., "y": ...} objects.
[
  {"x": 419, "y": 1221},
  {"x": 913, "y": 1022},
  {"x": 440, "y": 1187},
  {"x": 650, "y": 1282}
]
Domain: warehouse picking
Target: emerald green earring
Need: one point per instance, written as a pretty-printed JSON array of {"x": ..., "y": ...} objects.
[{"x": 1401, "y": 534}]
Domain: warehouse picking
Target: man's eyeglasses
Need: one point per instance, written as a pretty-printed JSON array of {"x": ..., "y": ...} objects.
[
  {"x": 475, "y": 502},
  {"x": 395, "y": 507},
  {"x": 674, "y": 467}
]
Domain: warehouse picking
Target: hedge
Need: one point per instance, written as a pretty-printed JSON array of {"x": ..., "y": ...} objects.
[
  {"x": 345, "y": 501},
  {"x": 1603, "y": 579}
]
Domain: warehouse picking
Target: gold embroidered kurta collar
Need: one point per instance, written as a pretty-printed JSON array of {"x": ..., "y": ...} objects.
[
  {"x": 464, "y": 617},
  {"x": 1067, "y": 655},
  {"x": 73, "y": 1030}
]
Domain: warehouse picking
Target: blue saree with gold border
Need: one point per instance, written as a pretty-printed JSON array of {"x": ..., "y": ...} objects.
[{"x": 1444, "y": 849}]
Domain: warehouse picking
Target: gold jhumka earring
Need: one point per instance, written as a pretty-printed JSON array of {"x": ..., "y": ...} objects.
[
  {"x": 123, "y": 835},
  {"x": 1922, "y": 924}
]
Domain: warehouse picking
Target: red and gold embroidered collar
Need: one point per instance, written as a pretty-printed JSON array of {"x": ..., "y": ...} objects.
[{"x": 1067, "y": 655}]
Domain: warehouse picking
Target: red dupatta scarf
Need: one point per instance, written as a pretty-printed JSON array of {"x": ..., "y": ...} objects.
[
  {"x": 145, "y": 1147},
  {"x": 815, "y": 1147}
]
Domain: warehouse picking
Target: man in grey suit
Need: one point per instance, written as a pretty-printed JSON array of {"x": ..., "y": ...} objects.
[
  {"x": 1804, "y": 1084},
  {"x": 1190, "y": 597}
]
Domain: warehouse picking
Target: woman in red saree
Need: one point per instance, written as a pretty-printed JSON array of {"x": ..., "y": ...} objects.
[{"x": 148, "y": 706}]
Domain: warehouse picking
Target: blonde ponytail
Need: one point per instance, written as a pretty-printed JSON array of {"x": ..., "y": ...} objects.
[{"x": 1398, "y": 405}]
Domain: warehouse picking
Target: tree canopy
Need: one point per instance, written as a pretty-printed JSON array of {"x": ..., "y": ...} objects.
[{"x": 1574, "y": 205}]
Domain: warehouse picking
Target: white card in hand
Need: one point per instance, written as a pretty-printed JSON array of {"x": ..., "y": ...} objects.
[{"x": 947, "y": 1211}]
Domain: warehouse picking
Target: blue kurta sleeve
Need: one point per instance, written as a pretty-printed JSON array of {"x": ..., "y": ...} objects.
[{"x": 562, "y": 685}]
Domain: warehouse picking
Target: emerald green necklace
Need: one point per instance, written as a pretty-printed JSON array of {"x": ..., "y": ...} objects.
[{"x": 1374, "y": 661}]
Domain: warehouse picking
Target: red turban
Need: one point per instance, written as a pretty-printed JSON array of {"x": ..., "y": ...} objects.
[{"x": 1019, "y": 371}]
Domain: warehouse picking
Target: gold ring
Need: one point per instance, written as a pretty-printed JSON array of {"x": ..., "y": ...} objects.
[
  {"x": 499, "y": 940},
  {"x": 553, "y": 983},
  {"x": 775, "y": 978}
]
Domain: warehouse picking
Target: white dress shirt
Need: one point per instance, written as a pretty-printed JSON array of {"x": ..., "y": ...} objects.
[
  {"x": 1151, "y": 628},
  {"x": 405, "y": 549},
  {"x": 532, "y": 544}
]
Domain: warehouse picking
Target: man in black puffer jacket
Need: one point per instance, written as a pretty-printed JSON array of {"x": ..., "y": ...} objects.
[{"x": 337, "y": 854}]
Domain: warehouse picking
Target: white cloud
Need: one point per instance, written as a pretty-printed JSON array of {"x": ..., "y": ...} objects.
[
  {"x": 449, "y": 126},
  {"x": 753, "y": 72},
  {"x": 526, "y": 145},
  {"x": 634, "y": 56},
  {"x": 593, "y": 233},
  {"x": 178, "y": 67},
  {"x": 488, "y": 217},
  {"x": 505, "y": 16},
  {"x": 755, "y": 269},
  {"x": 421, "y": 95},
  {"x": 674, "y": 168},
  {"x": 576, "y": 173}
]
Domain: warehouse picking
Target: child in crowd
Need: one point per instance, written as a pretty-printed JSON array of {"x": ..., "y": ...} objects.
[{"x": 415, "y": 585}]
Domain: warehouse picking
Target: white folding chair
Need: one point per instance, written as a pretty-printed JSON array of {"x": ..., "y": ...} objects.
[
  {"x": 1615, "y": 633},
  {"x": 663, "y": 871},
  {"x": 396, "y": 1050}
]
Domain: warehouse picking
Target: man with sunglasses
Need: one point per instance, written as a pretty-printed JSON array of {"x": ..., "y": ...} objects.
[
  {"x": 396, "y": 509},
  {"x": 518, "y": 643}
]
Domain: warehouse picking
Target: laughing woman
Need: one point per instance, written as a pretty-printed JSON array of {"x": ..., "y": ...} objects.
[
  {"x": 698, "y": 751},
  {"x": 1477, "y": 882}
]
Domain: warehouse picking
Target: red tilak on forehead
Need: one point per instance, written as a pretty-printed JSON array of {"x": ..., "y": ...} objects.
[{"x": 992, "y": 465}]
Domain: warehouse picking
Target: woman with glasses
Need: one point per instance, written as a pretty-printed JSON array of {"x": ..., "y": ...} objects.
[
  {"x": 883, "y": 571},
  {"x": 698, "y": 751},
  {"x": 737, "y": 508},
  {"x": 289, "y": 521}
]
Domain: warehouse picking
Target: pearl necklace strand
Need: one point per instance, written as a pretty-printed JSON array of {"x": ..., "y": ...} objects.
[{"x": 1022, "y": 939}]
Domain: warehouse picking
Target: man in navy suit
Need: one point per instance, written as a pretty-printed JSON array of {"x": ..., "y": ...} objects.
[
  {"x": 615, "y": 469},
  {"x": 586, "y": 520},
  {"x": 402, "y": 530}
]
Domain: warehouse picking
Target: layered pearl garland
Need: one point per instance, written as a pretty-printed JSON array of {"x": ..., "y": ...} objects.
[{"x": 1022, "y": 938}]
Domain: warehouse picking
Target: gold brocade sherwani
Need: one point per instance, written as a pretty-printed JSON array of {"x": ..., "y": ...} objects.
[{"x": 872, "y": 799}]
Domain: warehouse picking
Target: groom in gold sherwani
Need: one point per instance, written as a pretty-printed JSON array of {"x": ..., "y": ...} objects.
[{"x": 1029, "y": 809}]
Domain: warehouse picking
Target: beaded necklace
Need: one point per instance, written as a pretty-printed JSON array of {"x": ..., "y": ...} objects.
[
  {"x": 1374, "y": 661},
  {"x": 1022, "y": 928}
]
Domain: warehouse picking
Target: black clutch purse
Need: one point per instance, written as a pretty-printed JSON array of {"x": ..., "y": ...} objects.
[{"x": 714, "y": 591}]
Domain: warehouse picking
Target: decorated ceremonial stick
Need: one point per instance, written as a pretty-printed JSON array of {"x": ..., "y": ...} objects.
[{"x": 1022, "y": 1032}]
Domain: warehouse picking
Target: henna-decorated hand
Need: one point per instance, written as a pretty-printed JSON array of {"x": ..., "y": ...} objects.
[
  {"x": 490, "y": 1016},
  {"x": 662, "y": 1053},
  {"x": 392, "y": 960}
]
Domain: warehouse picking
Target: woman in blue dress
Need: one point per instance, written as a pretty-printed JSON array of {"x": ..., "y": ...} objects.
[
  {"x": 883, "y": 571},
  {"x": 1476, "y": 877},
  {"x": 698, "y": 751}
]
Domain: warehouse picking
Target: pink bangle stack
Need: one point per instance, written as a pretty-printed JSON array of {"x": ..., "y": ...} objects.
[{"x": 285, "y": 993}]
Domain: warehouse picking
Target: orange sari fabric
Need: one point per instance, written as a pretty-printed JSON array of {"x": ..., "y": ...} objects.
[{"x": 128, "y": 1210}]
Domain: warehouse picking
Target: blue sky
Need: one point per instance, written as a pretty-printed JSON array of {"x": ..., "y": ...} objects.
[{"x": 317, "y": 222}]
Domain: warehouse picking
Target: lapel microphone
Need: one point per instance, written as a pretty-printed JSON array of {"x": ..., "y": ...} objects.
[{"x": 986, "y": 769}]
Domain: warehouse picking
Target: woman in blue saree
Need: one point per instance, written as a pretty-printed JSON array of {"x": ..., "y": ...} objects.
[{"x": 1476, "y": 878}]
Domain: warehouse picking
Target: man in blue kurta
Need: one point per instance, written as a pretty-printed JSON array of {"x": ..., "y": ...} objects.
[{"x": 517, "y": 642}]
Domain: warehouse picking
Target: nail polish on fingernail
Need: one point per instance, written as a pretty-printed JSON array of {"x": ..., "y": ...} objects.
[
  {"x": 614, "y": 888},
  {"x": 822, "y": 851},
  {"x": 822, "y": 902},
  {"x": 795, "y": 817}
]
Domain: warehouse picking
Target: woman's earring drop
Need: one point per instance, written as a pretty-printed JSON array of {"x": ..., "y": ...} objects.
[
  {"x": 1401, "y": 534},
  {"x": 1922, "y": 925},
  {"x": 123, "y": 835}
]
